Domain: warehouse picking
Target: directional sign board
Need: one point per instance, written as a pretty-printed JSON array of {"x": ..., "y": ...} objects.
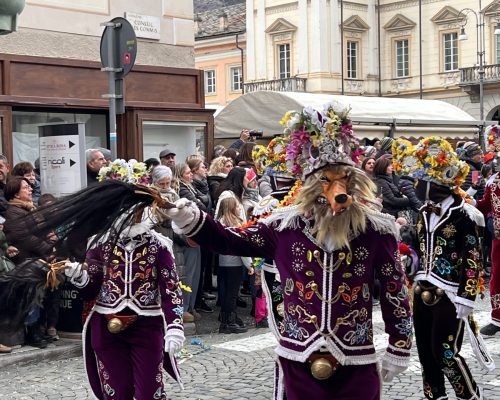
[
  {"x": 124, "y": 46},
  {"x": 62, "y": 158}
]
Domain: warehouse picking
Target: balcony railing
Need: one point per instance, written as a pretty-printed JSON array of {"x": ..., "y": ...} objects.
[
  {"x": 292, "y": 84},
  {"x": 470, "y": 75}
]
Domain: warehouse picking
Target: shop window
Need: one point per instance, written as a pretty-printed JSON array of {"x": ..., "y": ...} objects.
[
  {"x": 25, "y": 142},
  {"x": 184, "y": 138}
]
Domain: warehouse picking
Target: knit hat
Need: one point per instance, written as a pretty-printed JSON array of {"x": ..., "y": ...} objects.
[
  {"x": 437, "y": 162},
  {"x": 370, "y": 151},
  {"x": 318, "y": 137},
  {"x": 470, "y": 150},
  {"x": 386, "y": 143}
]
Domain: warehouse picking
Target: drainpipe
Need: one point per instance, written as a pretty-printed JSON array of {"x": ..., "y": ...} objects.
[{"x": 242, "y": 66}]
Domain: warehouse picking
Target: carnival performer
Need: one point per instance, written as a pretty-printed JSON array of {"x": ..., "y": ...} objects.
[
  {"x": 490, "y": 204},
  {"x": 326, "y": 247},
  {"x": 447, "y": 280},
  {"x": 129, "y": 273}
]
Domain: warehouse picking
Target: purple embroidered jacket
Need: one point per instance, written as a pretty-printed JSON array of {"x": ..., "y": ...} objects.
[
  {"x": 137, "y": 273},
  {"x": 327, "y": 296}
]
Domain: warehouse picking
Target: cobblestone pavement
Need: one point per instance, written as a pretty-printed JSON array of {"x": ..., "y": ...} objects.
[{"x": 228, "y": 367}]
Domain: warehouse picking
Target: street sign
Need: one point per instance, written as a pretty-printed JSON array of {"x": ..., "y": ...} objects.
[{"x": 124, "y": 43}]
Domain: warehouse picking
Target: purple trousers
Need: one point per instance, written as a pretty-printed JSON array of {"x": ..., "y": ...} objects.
[
  {"x": 349, "y": 382},
  {"x": 129, "y": 363}
]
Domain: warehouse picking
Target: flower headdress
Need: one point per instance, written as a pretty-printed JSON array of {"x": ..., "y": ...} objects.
[
  {"x": 130, "y": 171},
  {"x": 403, "y": 157},
  {"x": 276, "y": 157},
  {"x": 437, "y": 162},
  {"x": 259, "y": 157},
  {"x": 318, "y": 138},
  {"x": 492, "y": 134}
]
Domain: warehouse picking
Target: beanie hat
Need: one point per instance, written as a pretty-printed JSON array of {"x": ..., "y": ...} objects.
[
  {"x": 386, "y": 143},
  {"x": 470, "y": 150},
  {"x": 370, "y": 151}
]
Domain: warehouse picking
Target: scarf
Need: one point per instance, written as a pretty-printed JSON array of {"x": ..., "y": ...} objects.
[{"x": 27, "y": 205}]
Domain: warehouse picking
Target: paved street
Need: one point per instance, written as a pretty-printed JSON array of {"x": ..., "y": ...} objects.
[{"x": 225, "y": 367}]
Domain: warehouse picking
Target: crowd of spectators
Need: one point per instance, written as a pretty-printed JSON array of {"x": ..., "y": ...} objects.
[{"x": 228, "y": 187}]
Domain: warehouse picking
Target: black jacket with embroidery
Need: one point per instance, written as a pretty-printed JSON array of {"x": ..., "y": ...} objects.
[{"x": 450, "y": 254}]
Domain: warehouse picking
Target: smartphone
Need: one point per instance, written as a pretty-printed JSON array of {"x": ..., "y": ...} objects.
[{"x": 475, "y": 177}]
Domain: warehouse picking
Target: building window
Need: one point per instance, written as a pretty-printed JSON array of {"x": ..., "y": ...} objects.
[
  {"x": 352, "y": 60},
  {"x": 236, "y": 79},
  {"x": 450, "y": 51},
  {"x": 402, "y": 61},
  {"x": 284, "y": 60},
  {"x": 210, "y": 82},
  {"x": 497, "y": 49}
]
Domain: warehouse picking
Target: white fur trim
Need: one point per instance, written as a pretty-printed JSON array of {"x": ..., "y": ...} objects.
[
  {"x": 382, "y": 222},
  {"x": 163, "y": 240},
  {"x": 474, "y": 214}
]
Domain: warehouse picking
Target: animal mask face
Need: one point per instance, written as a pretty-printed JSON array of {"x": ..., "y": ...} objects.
[{"x": 334, "y": 193}]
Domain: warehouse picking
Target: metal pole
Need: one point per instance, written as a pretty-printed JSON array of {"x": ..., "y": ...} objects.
[
  {"x": 420, "y": 46},
  {"x": 379, "y": 51},
  {"x": 342, "y": 44},
  {"x": 112, "y": 93},
  {"x": 481, "y": 50}
]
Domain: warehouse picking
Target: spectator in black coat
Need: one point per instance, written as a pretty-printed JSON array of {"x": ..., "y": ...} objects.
[
  {"x": 473, "y": 155},
  {"x": 218, "y": 170},
  {"x": 406, "y": 186},
  {"x": 393, "y": 201}
]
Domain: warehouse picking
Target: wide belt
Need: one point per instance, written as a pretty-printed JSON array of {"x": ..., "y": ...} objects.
[
  {"x": 323, "y": 365},
  {"x": 118, "y": 323},
  {"x": 429, "y": 293}
]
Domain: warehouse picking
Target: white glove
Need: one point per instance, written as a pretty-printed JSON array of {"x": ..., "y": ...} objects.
[
  {"x": 463, "y": 311},
  {"x": 183, "y": 213},
  {"x": 75, "y": 272},
  {"x": 174, "y": 340},
  {"x": 389, "y": 371}
]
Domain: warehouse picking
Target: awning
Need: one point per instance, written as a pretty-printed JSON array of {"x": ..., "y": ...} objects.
[{"x": 373, "y": 117}]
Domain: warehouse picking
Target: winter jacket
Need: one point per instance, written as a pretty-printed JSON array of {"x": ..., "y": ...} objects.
[
  {"x": 189, "y": 192},
  {"x": 392, "y": 199},
  {"x": 213, "y": 185},
  {"x": 406, "y": 186},
  {"x": 204, "y": 192},
  {"x": 30, "y": 246}
]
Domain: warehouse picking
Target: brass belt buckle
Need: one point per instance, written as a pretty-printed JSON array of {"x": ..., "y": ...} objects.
[
  {"x": 322, "y": 369},
  {"x": 115, "y": 325}
]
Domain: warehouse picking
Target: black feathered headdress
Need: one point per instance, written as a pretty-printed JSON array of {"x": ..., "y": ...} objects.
[{"x": 106, "y": 208}]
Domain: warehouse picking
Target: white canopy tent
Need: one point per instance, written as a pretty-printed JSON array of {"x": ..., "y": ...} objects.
[{"x": 373, "y": 117}]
